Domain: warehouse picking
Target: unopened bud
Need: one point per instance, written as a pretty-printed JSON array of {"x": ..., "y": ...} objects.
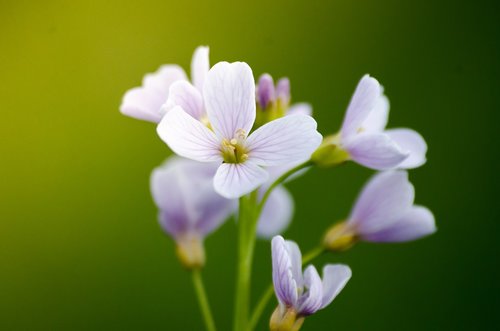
[
  {"x": 285, "y": 319},
  {"x": 330, "y": 153},
  {"x": 190, "y": 251},
  {"x": 283, "y": 92},
  {"x": 339, "y": 237},
  {"x": 265, "y": 91}
]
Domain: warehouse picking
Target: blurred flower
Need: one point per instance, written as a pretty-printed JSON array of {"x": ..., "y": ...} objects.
[
  {"x": 301, "y": 294},
  {"x": 383, "y": 212},
  {"x": 229, "y": 95},
  {"x": 274, "y": 102},
  {"x": 189, "y": 208},
  {"x": 363, "y": 137},
  {"x": 144, "y": 102}
]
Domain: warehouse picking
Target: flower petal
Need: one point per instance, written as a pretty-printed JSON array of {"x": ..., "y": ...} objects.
[
  {"x": 300, "y": 108},
  {"x": 186, "y": 96},
  {"x": 385, "y": 198},
  {"x": 143, "y": 104},
  {"x": 311, "y": 301},
  {"x": 362, "y": 103},
  {"x": 375, "y": 151},
  {"x": 416, "y": 223},
  {"x": 163, "y": 78},
  {"x": 335, "y": 277},
  {"x": 276, "y": 214},
  {"x": 234, "y": 180},
  {"x": 285, "y": 285},
  {"x": 412, "y": 142},
  {"x": 285, "y": 140},
  {"x": 376, "y": 120},
  {"x": 296, "y": 260},
  {"x": 188, "y": 137},
  {"x": 229, "y": 93},
  {"x": 200, "y": 65}
]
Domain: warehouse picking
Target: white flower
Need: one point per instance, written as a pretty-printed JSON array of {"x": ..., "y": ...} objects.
[{"x": 229, "y": 98}]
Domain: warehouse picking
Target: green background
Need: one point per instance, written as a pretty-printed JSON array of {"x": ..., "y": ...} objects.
[{"x": 80, "y": 248}]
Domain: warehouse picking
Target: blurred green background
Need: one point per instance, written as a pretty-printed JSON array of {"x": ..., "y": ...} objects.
[{"x": 80, "y": 248}]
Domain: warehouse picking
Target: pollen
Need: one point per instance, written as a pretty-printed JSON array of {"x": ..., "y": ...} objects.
[{"x": 234, "y": 150}]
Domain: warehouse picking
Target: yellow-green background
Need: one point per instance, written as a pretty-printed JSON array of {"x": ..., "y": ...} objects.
[{"x": 80, "y": 248}]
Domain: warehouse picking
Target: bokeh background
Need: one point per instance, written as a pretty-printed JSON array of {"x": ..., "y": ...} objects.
[{"x": 80, "y": 248}]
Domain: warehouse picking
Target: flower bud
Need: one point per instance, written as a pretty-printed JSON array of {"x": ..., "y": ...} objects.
[
  {"x": 285, "y": 319},
  {"x": 283, "y": 93},
  {"x": 330, "y": 153},
  {"x": 339, "y": 237},
  {"x": 190, "y": 252},
  {"x": 265, "y": 91}
]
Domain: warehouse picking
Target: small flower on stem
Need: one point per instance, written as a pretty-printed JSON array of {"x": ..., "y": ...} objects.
[
  {"x": 364, "y": 139},
  {"x": 189, "y": 208},
  {"x": 229, "y": 96},
  {"x": 145, "y": 102},
  {"x": 301, "y": 294},
  {"x": 383, "y": 212}
]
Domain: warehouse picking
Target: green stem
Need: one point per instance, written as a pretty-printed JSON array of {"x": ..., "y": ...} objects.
[
  {"x": 247, "y": 225},
  {"x": 203, "y": 301},
  {"x": 312, "y": 254}
]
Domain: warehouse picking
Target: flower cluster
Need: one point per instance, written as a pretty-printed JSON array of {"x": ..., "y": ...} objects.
[{"x": 237, "y": 143}]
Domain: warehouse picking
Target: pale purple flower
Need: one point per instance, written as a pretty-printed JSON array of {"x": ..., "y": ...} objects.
[
  {"x": 229, "y": 98},
  {"x": 384, "y": 211},
  {"x": 265, "y": 91},
  {"x": 145, "y": 102},
  {"x": 188, "y": 205},
  {"x": 306, "y": 292},
  {"x": 364, "y": 137}
]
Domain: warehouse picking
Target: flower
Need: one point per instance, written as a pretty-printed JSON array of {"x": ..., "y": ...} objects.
[
  {"x": 363, "y": 137},
  {"x": 383, "y": 212},
  {"x": 189, "y": 208},
  {"x": 301, "y": 294},
  {"x": 144, "y": 102},
  {"x": 229, "y": 97}
]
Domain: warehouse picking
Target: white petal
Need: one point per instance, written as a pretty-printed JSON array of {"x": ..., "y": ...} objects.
[
  {"x": 229, "y": 93},
  {"x": 378, "y": 117},
  {"x": 188, "y": 137},
  {"x": 385, "y": 198},
  {"x": 234, "y": 180},
  {"x": 284, "y": 283},
  {"x": 416, "y": 223},
  {"x": 311, "y": 301},
  {"x": 296, "y": 261},
  {"x": 335, "y": 277},
  {"x": 300, "y": 108},
  {"x": 163, "y": 78},
  {"x": 276, "y": 214},
  {"x": 411, "y": 142},
  {"x": 200, "y": 65},
  {"x": 186, "y": 96},
  {"x": 285, "y": 140},
  {"x": 362, "y": 103},
  {"x": 375, "y": 150},
  {"x": 143, "y": 104}
]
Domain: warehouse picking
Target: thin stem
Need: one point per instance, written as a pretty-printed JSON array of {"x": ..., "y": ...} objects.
[
  {"x": 264, "y": 299},
  {"x": 203, "y": 301},
  {"x": 261, "y": 306}
]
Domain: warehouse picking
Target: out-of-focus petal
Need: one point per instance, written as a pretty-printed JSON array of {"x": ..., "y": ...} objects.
[
  {"x": 302, "y": 108},
  {"x": 386, "y": 197},
  {"x": 363, "y": 101},
  {"x": 234, "y": 180},
  {"x": 186, "y": 96},
  {"x": 412, "y": 142},
  {"x": 312, "y": 299},
  {"x": 163, "y": 78},
  {"x": 283, "y": 91},
  {"x": 376, "y": 120},
  {"x": 416, "y": 223},
  {"x": 265, "y": 90},
  {"x": 142, "y": 104},
  {"x": 285, "y": 140},
  {"x": 285, "y": 285},
  {"x": 188, "y": 137},
  {"x": 335, "y": 277},
  {"x": 229, "y": 93},
  {"x": 375, "y": 150},
  {"x": 200, "y": 65},
  {"x": 276, "y": 214}
]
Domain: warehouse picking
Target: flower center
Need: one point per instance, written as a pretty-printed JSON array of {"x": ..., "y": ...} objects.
[{"x": 234, "y": 150}]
